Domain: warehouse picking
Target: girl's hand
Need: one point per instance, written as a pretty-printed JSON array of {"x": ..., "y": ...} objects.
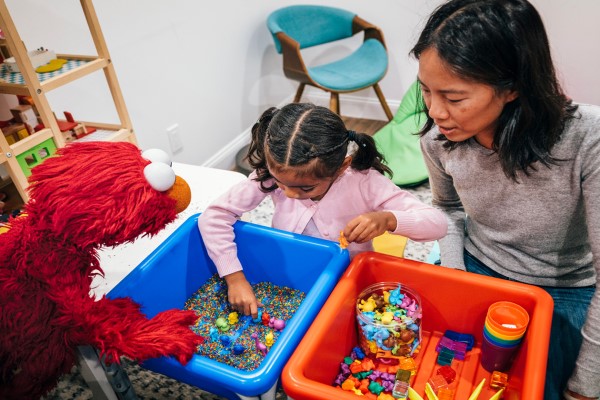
[
  {"x": 240, "y": 294},
  {"x": 368, "y": 226}
]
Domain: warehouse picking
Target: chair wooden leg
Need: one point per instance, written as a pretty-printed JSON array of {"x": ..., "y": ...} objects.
[
  {"x": 381, "y": 98},
  {"x": 299, "y": 92},
  {"x": 334, "y": 103}
]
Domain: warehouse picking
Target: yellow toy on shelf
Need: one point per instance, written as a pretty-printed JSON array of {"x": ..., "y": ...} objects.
[{"x": 53, "y": 65}]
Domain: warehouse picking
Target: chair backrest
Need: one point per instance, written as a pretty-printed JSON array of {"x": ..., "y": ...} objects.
[{"x": 310, "y": 25}]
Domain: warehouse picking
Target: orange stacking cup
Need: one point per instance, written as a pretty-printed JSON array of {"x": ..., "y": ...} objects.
[{"x": 507, "y": 319}]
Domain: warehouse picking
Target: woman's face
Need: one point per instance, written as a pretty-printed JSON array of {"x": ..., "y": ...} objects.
[{"x": 461, "y": 109}]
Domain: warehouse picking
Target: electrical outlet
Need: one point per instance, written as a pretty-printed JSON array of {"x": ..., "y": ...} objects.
[{"x": 174, "y": 139}]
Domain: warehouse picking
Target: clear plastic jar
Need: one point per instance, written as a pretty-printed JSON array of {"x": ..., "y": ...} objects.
[{"x": 389, "y": 320}]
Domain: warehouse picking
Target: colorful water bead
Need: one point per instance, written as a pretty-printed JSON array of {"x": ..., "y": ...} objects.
[{"x": 210, "y": 303}]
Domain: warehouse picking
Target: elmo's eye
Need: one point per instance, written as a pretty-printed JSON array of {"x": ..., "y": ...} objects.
[
  {"x": 157, "y": 155},
  {"x": 160, "y": 176}
]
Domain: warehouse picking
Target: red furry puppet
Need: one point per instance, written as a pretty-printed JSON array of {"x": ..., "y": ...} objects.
[{"x": 88, "y": 196}]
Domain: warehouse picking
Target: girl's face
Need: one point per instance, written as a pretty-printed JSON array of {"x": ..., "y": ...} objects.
[
  {"x": 301, "y": 187},
  {"x": 304, "y": 186},
  {"x": 461, "y": 109}
]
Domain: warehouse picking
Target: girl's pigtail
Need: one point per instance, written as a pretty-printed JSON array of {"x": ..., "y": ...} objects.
[
  {"x": 367, "y": 156},
  {"x": 256, "y": 150}
]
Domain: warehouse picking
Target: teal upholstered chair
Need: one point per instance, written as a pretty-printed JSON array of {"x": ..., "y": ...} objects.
[{"x": 300, "y": 26}]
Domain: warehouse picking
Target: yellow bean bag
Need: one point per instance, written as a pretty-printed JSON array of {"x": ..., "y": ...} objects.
[{"x": 390, "y": 244}]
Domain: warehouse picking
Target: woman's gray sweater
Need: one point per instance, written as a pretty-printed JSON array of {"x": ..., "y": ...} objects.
[{"x": 543, "y": 230}]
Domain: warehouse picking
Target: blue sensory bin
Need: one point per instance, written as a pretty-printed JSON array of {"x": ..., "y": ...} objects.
[{"x": 180, "y": 266}]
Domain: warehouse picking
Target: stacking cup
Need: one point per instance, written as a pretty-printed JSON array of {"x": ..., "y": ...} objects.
[{"x": 503, "y": 331}]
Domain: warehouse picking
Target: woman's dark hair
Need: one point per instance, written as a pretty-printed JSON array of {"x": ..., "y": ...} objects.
[
  {"x": 312, "y": 140},
  {"x": 503, "y": 43}
]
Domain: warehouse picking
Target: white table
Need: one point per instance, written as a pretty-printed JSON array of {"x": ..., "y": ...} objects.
[{"x": 206, "y": 184}]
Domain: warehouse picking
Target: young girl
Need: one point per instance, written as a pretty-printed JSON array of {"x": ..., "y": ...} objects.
[{"x": 301, "y": 160}]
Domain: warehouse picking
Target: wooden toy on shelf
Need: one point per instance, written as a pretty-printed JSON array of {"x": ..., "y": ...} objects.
[
  {"x": 15, "y": 132},
  {"x": 70, "y": 129},
  {"x": 53, "y": 65},
  {"x": 38, "y": 58},
  {"x": 25, "y": 114}
]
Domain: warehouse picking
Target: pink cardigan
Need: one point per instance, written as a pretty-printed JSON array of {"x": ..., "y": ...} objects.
[{"x": 353, "y": 193}]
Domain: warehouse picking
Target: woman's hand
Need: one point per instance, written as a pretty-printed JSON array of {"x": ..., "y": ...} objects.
[
  {"x": 240, "y": 294},
  {"x": 368, "y": 226}
]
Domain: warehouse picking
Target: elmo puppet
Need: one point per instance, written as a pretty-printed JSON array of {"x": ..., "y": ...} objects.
[{"x": 87, "y": 196}]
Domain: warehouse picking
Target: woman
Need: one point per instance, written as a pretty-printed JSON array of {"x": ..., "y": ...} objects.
[{"x": 516, "y": 167}]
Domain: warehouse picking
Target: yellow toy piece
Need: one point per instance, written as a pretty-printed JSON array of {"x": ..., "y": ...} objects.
[
  {"x": 413, "y": 395},
  {"x": 477, "y": 390},
  {"x": 366, "y": 306},
  {"x": 269, "y": 339},
  {"x": 53, "y": 65},
  {"x": 498, "y": 395},
  {"x": 430, "y": 393},
  {"x": 373, "y": 347},
  {"x": 387, "y": 318},
  {"x": 233, "y": 318},
  {"x": 386, "y": 296}
]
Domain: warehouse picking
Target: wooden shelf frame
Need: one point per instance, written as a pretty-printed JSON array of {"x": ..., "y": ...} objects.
[{"x": 37, "y": 89}]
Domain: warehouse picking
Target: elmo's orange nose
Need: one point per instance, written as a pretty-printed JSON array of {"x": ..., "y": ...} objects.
[{"x": 181, "y": 193}]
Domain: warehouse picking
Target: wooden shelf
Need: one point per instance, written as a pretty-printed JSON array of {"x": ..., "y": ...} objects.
[
  {"x": 27, "y": 82},
  {"x": 106, "y": 135},
  {"x": 75, "y": 68}
]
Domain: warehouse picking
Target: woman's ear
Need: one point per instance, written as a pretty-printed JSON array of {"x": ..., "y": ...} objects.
[{"x": 511, "y": 95}]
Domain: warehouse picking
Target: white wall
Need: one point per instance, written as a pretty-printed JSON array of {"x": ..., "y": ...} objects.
[{"x": 211, "y": 67}]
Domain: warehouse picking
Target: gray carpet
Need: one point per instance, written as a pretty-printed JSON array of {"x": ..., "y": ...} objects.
[{"x": 149, "y": 385}]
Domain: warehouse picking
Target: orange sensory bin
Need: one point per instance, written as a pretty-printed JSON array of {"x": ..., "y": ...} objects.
[{"x": 451, "y": 300}]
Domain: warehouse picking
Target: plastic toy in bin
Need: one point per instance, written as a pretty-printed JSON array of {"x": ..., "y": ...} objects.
[{"x": 389, "y": 320}]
